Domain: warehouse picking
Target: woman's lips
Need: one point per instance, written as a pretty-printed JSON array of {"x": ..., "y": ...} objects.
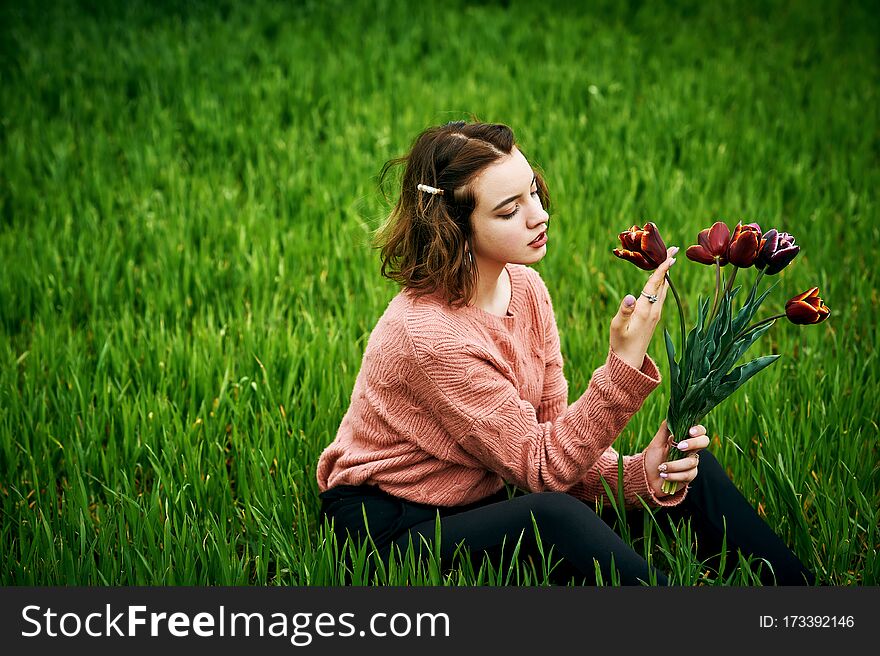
[{"x": 539, "y": 241}]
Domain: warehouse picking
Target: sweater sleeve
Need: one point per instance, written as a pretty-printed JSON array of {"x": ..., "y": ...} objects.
[
  {"x": 554, "y": 400},
  {"x": 635, "y": 482},
  {"x": 474, "y": 397}
]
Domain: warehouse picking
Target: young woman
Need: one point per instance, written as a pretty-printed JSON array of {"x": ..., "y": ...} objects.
[{"x": 461, "y": 389}]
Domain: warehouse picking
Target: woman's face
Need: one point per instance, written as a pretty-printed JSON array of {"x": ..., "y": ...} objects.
[{"x": 508, "y": 214}]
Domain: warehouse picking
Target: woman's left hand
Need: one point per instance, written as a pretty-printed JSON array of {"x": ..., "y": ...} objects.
[{"x": 683, "y": 470}]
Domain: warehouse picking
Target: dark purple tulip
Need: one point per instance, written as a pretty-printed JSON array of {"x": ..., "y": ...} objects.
[{"x": 777, "y": 250}]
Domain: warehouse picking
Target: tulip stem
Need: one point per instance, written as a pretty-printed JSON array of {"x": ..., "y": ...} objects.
[
  {"x": 727, "y": 288},
  {"x": 732, "y": 277},
  {"x": 757, "y": 280},
  {"x": 717, "y": 289},
  {"x": 680, "y": 311},
  {"x": 755, "y": 326}
]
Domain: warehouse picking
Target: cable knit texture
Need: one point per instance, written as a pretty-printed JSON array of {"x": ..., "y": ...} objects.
[{"x": 449, "y": 404}]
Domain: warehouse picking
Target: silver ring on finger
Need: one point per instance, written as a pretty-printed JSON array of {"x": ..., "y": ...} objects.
[{"x": 651, "y": 297}]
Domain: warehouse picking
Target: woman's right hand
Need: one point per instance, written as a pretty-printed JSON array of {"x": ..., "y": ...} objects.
[
  {"x": 684, "y": 469},
  {"x": 633, "y": 325}
]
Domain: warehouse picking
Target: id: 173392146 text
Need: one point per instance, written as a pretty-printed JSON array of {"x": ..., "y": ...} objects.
[{"x": 806, "y": 622}]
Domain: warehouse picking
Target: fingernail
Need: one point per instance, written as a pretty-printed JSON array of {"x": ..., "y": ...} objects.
[
  {"x": 628, "y": 300},
  {"x": 673, "y": 262},
  {"x": 682, "y": 446},
  {"x": 693, "y": 430},
  {"x": 662, "y": 475},
  {"x": 674, "y": 250}
]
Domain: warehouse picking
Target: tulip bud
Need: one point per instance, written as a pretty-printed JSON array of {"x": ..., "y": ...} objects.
[{"x": 807, "y": 308}]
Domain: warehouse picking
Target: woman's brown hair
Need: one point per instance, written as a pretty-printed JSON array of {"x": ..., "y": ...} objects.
[{"x": 423, "y": 240}]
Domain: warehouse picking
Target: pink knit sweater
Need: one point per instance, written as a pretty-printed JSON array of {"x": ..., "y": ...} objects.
[{"x": 449, "y": 404}]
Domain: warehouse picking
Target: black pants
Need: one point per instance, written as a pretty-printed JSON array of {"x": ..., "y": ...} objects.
[{"x": 578, "y": 535}]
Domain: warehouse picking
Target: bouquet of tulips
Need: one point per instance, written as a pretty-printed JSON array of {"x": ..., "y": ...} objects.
[{"x": 705, "y": 375}]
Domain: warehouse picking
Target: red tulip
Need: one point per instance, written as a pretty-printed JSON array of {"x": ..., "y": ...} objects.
[
  {"x": 713, "y": 244},
  {"x": 744, "y": 245},
  {"x": 643, "y": 247},
  {"x": 807, "y": 308}
]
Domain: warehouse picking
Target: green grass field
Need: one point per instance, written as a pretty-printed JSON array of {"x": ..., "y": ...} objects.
[{"x": 187, "y": 198}]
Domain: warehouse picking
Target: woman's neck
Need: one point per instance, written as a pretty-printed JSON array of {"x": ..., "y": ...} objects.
[{"x": 493, "y": 290}]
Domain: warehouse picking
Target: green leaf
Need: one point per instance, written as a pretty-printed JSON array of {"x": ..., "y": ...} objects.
[
  {"x": 694, "y": 345},
  {"x": 740, "y": 347},
  {"x": 674, "y": 371},
  {"x": 736, "y": 378},
  {"x": 705, "y": 365},
  {"x": 744, "y": 316},
  {"x": 720, "y": 332},
  {"x": 720, "y": 327},
  {"x": 704, "y": 311},
  {"x": 695, "y": 392}
]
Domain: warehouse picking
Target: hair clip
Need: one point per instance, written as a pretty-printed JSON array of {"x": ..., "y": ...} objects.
[{"x": 429, "y": 189}]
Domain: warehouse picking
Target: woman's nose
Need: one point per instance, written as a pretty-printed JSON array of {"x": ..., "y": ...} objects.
[{"x": 538, "y": 217}]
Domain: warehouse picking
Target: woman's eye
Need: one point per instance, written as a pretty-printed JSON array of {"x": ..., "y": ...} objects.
[{"x": 507, "y": 216}]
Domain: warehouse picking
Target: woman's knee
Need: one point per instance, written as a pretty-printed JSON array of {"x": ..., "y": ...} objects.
[
  {"x": 710, "y": 475},
  {"x": 556, "y": 507},
  {"x": 709, "y": 465}
]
